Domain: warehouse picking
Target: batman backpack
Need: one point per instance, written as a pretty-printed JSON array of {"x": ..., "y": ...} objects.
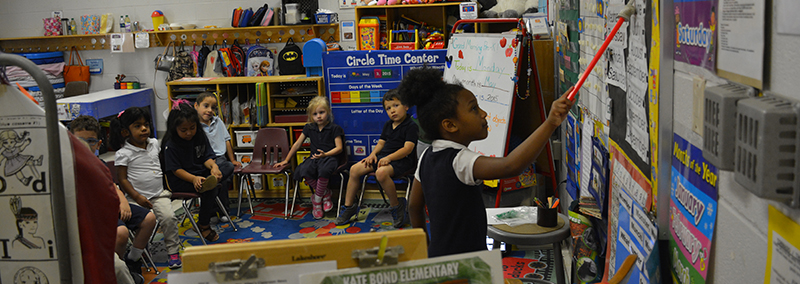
[{"x": 290, "y": 59}]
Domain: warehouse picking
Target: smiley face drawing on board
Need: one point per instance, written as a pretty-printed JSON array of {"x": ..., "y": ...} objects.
[{"x": 17, "y": 164}]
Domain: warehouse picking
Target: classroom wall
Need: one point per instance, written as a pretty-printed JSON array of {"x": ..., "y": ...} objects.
[
  {"x": 740, "y": 250},
  {"x": 23, "y": 18}
]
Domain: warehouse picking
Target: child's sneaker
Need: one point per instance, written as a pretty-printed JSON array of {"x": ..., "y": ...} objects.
[
  {"x": 316, "y": 207},
  {"x": 134, "y": 266},
  {"x": 224, "y": 219},
  {"x": 174, "y": 261},
  {"x": 399, "y": 213},
  {"x": 137, "y": 278},
  {"x": 346, "y": 214},
  {"x": 327, "y": 205}
]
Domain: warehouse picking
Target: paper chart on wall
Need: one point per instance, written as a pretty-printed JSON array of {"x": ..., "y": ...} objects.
[
  {"x": 485, "y": 64},
  {"x": 587, "y": 130},
  {"x": 594, "y": 92},
  {"x": 636, "y": 133}
]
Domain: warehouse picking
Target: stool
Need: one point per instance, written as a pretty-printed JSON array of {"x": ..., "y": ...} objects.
[
  {"x": 533, "y": 235},
  {"x": 187, "y": 198}
]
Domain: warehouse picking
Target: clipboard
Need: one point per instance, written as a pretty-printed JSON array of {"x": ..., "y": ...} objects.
[{"x": 281, "y": 252}]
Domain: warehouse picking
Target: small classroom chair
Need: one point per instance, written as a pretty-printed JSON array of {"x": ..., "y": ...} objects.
[
  {"x": 342, "y": 170},
  {"x": 408, "y": 176},
  {"x": 237, "y": 174},
  {"x": 271, "y": 145}
]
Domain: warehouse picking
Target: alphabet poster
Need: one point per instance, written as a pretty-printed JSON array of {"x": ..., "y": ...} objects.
[
  {"x": 28, "y": 249},
  {"x": 486, "y": 65},
  {"x": 695, "y": 32},
  {"x": 692, "y": 212}
]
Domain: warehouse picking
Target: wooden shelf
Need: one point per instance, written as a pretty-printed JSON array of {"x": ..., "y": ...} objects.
[
  {"x": 293, "y": 96},
  {"x": 286, "y": 124},
  {"x": 434, "y": 15},
  {"x": 268, "y": 34},
  {"x": 289, "y": 109}
]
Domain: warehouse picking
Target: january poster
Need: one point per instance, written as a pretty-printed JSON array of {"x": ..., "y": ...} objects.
[
  {"x": 693, "y": 212},
  {"x": 696, "y": 32}
]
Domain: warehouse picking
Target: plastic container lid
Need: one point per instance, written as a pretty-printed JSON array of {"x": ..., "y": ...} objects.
[
  {"x": 156, "y": 13},
  {"x": 41, "y": 55},
  {"x": 291, "y": 6}
]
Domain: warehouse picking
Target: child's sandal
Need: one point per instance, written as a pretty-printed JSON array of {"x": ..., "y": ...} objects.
[{"x": 208, "y": 233}]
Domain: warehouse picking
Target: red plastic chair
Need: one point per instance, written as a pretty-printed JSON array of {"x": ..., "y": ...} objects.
[{"x": 270, "y": 147}]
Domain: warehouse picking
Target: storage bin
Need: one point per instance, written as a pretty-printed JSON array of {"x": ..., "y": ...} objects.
[
  {"x": 276, "y": 181},
  {"x": 327, "y": 18},
  {"x": 368, "y": 33},
  {"x": 279, "y": 103},
  {"x": 290, "y": 118},
  {"x": 245, "y": 138},
  {"x": 297, "y": 133},
  {"x": 302, "y": 156},
  {"x": 244, "y": 157}
]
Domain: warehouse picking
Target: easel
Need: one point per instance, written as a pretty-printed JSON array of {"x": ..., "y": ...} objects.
[{"x": 532, "y": 72}]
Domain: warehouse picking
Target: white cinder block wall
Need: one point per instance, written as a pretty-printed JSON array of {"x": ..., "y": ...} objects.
[
  {"x": 740, "y": 241},
  {"x": 23, "y": 18}
]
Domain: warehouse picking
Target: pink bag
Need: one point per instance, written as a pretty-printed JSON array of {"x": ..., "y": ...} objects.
[{"x": 52, "y": 26}]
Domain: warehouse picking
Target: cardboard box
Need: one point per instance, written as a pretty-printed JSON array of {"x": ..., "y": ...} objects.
[{"x": 245, "y": 138}]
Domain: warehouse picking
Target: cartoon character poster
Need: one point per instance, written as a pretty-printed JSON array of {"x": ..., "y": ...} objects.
[
  {"x": 696, "y": 32},
  {"x": 692, "y": 213}
]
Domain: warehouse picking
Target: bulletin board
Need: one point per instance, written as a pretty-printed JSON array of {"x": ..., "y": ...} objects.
[
  {"x": 356, "y": 81},
  {"x": 486, "y": 65},
  {"x": 618, "y": 104}
]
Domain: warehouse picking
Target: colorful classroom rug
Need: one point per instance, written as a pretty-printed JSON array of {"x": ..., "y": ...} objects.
[{"x": 267, "y": 223}]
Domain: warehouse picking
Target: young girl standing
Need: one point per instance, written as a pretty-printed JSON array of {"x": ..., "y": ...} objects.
[
  {"x": 448, "y": 178},
  {"x": 326, "y": 143},
  {"x": 139, "y": 172},
  {"x": 188, "y": 160}
]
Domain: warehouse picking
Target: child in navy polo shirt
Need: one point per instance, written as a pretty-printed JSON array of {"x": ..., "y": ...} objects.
[
  {"x": 448, "y": 177},
  {"x": 394, "y": 155},
  {"x": 326, "y": 144}
]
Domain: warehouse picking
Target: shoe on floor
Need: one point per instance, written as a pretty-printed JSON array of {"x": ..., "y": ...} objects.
[
  {"x": 224, "y": 219},
  {"x": 399, "y": 213},
  {"x": 137, "y": 278},
  {"x": 174, "y": 261},
  {"x": 346, "y": 214},
  {"x": 134, "y": 266},
  {"x": 327, "y": 204},
  {"x": 316, "y": 207}
]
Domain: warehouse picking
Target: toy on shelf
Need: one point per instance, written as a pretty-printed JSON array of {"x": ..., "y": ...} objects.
[
  {"x": 368, "y": 33},
  {"x": 407, "y": 2},
  {"x": 404, "y": 40},
  {"x": 434, "y": 41},
  {"x": 383, "y": 2}
]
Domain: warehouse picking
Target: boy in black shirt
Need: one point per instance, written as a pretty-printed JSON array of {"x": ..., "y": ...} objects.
[{"x": 394, "y": 155}]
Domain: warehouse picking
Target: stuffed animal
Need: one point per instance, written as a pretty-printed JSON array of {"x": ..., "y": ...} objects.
[{"x": 508, "y": 8}]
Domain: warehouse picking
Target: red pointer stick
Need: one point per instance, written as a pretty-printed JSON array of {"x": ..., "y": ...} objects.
[{"x": 624, "y": 15}]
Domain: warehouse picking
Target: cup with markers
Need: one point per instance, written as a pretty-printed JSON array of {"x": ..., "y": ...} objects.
[{"x": 548, "y": 213}]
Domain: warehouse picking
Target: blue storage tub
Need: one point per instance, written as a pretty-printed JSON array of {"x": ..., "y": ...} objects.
[
  {"x": 55, "y": 86},
  {"x": 44, "y": 57}
]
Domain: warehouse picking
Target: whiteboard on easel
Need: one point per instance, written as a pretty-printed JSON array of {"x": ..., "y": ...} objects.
[{"x": 485, "y": 64}]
